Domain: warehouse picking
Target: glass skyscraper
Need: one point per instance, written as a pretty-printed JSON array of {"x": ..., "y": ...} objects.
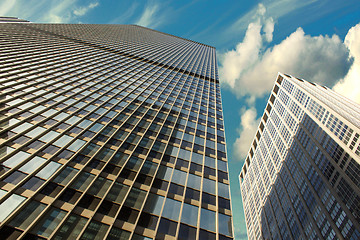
[
  {"x": 110, "y": 132},
  {"x": 301, "y": 178}
]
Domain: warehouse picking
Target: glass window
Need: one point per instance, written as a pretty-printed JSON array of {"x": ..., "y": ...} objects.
[
  {"x": 209, "y": 186},
  {"x": 171, "y": 209},
  {"x": 27, "y": 215},
  {"x": 194, "y": 181},
  {"x": 184, "y": 154},
  {"x": 73, "y": 120},
  {"x": 71, "y": 228},
  {"x": 117, "y": 192},
  {"x": 100, "y": 186},
  {"x": 33, "y": 183},
  {"x": 135, "y": 198},
  {"x": 189, "y": 214},
  {"x": 22, "y": 127},
  {"x": 5, "y": 150},
  {"x": 83, "y": 181},
  {"x": 223, "y": 190},
  {"x": 90, "y": 149},
  {"x": 197, "y": 158},
  {"x": 63, "y": 140},
  {"x": 76, "y": 145},
  {"x": 118, "y": 234},
  {"x": 96, "y": 127},
  {"x": 61, "y": 116},
  {"x": 207, "y": 219},
  {"x": 9, "y": 205},
  {"x": 164, "y": 173},
  {"x": 222, "y": 166},
  {"x": 48, "y": 170},
  {"x": 49, "y": 136},
  {"x": 15, "y": 177},
  {"x": 84, "y": 124},
  {"x": 49, "y": 222},
  {"x": 35, "y": 132},
  {"x": 179, "y": 177},
  {"x": 16, "y": 159},
  {"x": 66, "y": 175},
  {"x": 154, "y": 204},
  {"x": 95, "y": 231},
  {"x": 225, "y": 225},
  {"x": 2, "y": 192},
  {"x": 210, "y": 162},
  {"x": 104, "y": 154},
  {"x": 172, "y": 151},
  {"x": 33, "y": 164}
]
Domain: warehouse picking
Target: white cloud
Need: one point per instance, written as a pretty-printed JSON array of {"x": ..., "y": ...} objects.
[
  {"x": 246, "y": 54},
  {"x": 151, "y": 16},
  {"x": 248, "y": 127},
  {"x": 51, "y": 11},
  {"x": 276, "y": 9},
  {"x": 349, "y": 85},
  {"x": 81, "y": 11},
  {"x": 251, "y": 68}
]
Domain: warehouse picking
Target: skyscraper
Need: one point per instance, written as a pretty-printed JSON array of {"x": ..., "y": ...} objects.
[
  {"x": 301, "y": 178},
  {"x": 110, "y": 132}
]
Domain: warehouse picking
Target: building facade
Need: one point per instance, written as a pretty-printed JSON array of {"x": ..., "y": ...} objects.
[
  {"x": 301, "y": 178},
  {"x": 110, "y": 132}
]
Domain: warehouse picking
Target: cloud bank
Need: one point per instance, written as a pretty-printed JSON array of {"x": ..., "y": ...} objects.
[{"x": 250, "y": 69}]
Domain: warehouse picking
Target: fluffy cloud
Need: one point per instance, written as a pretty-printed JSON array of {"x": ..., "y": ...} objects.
[
  {"x": 251, "y": 68},
  {"x": 248, "y": 127},
  {"x": 349, "y": 85},
  {"x": 246, "y": 54}
]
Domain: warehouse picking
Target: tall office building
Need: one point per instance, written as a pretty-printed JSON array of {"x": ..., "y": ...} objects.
[
  {"x": 301, "y": 178},
  {"x": 110, "y": 132}
]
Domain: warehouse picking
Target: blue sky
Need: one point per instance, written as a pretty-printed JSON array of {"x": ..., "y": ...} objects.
[{"x": 318, "y": 40}]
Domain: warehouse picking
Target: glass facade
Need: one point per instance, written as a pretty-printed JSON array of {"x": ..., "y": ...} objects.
[
  {"x": 300, "y": 178},
  {"x": 110, "y": 132}
]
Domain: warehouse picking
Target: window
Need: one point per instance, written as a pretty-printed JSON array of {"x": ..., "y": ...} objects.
[
  {"x": 154, "y": 204},
  {"x": 171, "y": 209},
  {"x": 99, "y": 187},
  {"x": 49, "y": 222},
  {"x": 9, "y": 205},
  {"x": 16, "y": 159},
  {"x": 27, "y": 215},
  {"x": 95, "y": 231},
  {"x": 118, "y": 234},
  {"x": 207, "y": 219},
  {"x": 189, "y": 214},
  {"x": 48, "y": 170},
  {"x": 71, "y": 228},
  {"x": 33, "y": 164},
  {"x": 117, "y": 192},
  {"x": 66, "y": 175},
  {"x": 225, "y": 224},
  {"x": 135, "y": 198}
]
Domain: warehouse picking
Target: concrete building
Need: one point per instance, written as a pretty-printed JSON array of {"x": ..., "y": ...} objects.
[
  {"x": 301, "y": 178},
  {"x": 110, "y": 132}
]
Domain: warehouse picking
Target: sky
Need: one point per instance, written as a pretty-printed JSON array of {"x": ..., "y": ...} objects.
[{"x": 317, "y": 40}]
